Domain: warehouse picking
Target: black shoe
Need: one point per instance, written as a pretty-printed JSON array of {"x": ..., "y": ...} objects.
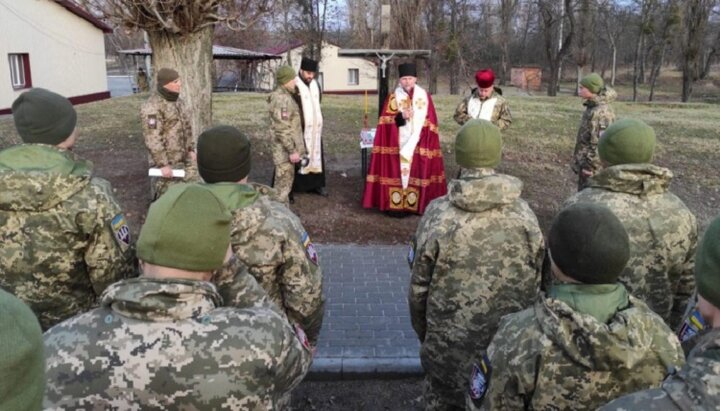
[
  {"x": 322, "y": 191},
  {"x": 291, "y": 199}
]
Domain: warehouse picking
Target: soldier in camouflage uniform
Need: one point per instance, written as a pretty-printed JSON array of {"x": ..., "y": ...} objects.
[
  {"x": 165, "y": 340},
  {"x": 266, "y": 236},
  {"x": 288, "y": 145},
  {"x": 584, "y": 342},
  {"x": 476, "y": 257},
  {"x": 662, "y": 230},
  {"x": 697, "y": 385},
  {"x": 485, "y": 102},
  {"x": 168, "y": 134},
  {"x": 597, "y": 117},
  {"x": 62, "y": 233}
]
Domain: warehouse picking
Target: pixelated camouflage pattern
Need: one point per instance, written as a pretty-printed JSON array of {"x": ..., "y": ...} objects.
[
  {"x": 268, "y": 239},
  {"x": 167, "y": 344},
  {"x": 478, "y": 256},
  {"x": 170, "y": 142},
  {"x": 597, "y": 117},
  {"x": 284, "y": 177},
  {"x": 286, "y": 125},
  {"x": 663, "y": 234},
  {"x": 501, "y": 116},
  {"x": 695, "y": 387},
  {"x": 59, "y": 251},
  {"x": 552, "y": 357}
]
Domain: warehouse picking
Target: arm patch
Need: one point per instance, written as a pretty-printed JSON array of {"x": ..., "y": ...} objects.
[{"x": 120, "y": 231}]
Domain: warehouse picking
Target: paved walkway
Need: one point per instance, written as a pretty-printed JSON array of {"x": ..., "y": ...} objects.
[{"x": 366, "y": 330}]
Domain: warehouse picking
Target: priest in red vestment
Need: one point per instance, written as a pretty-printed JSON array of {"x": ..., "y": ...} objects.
[{"x": 406, "y": 167}]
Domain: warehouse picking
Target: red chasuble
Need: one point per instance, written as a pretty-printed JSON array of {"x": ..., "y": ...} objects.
[{"x": 383, "y": 185}]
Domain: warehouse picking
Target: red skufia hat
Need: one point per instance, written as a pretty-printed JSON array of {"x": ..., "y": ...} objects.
[{"x": 485, "y": 78}]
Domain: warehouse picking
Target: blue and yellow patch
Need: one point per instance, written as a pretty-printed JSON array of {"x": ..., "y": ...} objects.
[
  {"x": 691, "y": 326},
  {"x": 411, "y": 252},
  {"x": 309, "y": 248},
  {"x": 121, "y": 231},
  {"x": 480, "y": 378}
]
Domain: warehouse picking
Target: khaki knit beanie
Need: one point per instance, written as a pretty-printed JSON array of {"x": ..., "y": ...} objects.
[
  {"x": 593, "y": 82},
  {"x": 627, "y": 141},
  {"x": 44, "y": 117},
  {"x": 223, "y": 154},
  {"x": 22, "y": 359},
  {"x": 707, "y": 264},
  {"x": 186, "y": 228},
  {"x": 284, "y": 74},
  {"x": 589, "y": 243},
  {"x": 478, "y": 144}
]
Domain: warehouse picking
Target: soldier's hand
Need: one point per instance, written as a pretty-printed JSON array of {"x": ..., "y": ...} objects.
[
  {"x": 294, "y": 158},
  {"x": 587, "y": 173},
  {"x": 166, "y": 172}
]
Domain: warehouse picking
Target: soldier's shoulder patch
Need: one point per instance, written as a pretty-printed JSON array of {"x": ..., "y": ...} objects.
[
  {"x": 121, "y": 231},
  {"x": 309, "y": 247},
  {"x": 480, "y": 378},
  {"x": 152, "y": 121},
  {"x": 284, "y": 113},
  {"x": 692, "y": 326},
  {"x": 302, "y": 336},
  {"x": 411, "y": 252}
]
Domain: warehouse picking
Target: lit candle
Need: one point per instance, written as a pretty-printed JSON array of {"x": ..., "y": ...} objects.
[{"x": 366, "y": 102}]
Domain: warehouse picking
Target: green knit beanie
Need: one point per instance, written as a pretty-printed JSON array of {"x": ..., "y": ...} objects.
[
  {"x": 223, "y": 154},
  {"x": 22, "y": 360},
  {"x": 166, "y": 75},
  {"x": 478, "y": 144},
  {"x": 707, "y": 264},
  {"x": 284, "y": 74},
  {"x": 627, "y": 141},
  {"x": 589, "y": 243},
  {"x": 186, "y": 228},
  {"x": 593, "y": 82},
  {"x": 42, "y": 116}
]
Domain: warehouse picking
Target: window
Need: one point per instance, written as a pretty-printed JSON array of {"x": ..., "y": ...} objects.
[
  {"x": 353, "y": 77},
  {"x": 19, "y": 71}
]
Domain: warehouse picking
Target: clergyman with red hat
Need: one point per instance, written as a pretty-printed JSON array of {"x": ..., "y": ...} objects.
[
  {"x": 406, "y": 168},
  {"x": 485, "y": 102}
]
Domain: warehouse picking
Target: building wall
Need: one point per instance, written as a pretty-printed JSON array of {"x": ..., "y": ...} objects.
[
  {"x": 334, "y": 71},
  {"x": 67, "y": 53}
]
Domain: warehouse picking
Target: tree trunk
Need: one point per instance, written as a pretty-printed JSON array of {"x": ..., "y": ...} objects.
[
  {"x": 578, "y": 76},
  {"x": 191, "y": 56},
  {"x": 636, "y": 65},
  {"x": 614, "y": 65}
]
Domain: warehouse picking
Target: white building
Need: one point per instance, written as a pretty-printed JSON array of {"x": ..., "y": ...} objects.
[
  {"x": 54, "y": 44},
  {"x": 336, "y": 75}
]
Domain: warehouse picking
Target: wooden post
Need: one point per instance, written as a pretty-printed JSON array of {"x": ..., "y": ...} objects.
[{"x": 383, "y": 71}]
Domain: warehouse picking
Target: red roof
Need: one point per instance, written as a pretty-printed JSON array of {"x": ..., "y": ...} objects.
[{"x": 75, "y": 9}]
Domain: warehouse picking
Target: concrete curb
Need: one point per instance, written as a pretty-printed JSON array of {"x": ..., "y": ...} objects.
[{"x": 359, "y": 368}]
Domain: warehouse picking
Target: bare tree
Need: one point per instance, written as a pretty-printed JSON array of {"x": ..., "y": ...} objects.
[
  {"x": 507, "y": 11},
  {"x": 695, "y": 20},
  {"x": 586, "y": 22},
  {"x": 181, "y": 34},
  {"x": 551, "y": 17},
  {"x": 436, "y": 39},
  {"x": 644, "y": 27},
  {"x": 669, "y": 16}
]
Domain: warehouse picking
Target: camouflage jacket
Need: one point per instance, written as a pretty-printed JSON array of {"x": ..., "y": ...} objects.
[
  {"x": 476, "y": 256},
  {"x": 501, "y": 116},
  {"x": 662, "y": 230},
  {"x": 168, "y": 134},
  {"x": 272, "y": 243},
  {"x": 551, "y": 356},
  {"x": 64, "y": 238},
  {"x": 168, "y": 344},
  {"x": 286, "y": 124},
  {"x": 597, "y": 117},
  {"x": 695, "y": 387}
]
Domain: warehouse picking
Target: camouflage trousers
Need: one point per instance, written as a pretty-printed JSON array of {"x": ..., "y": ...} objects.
[
  {"x": 439, "y": 395},
  {"x": 284, "y": 176}
]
